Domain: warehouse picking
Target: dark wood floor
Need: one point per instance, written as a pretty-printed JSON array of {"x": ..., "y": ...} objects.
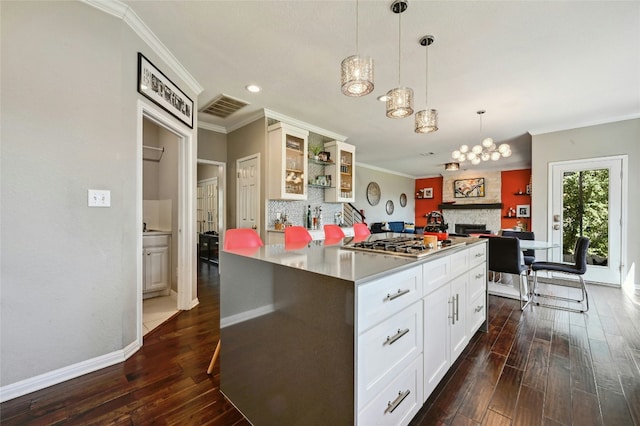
[{"x": 538, "y": 367}]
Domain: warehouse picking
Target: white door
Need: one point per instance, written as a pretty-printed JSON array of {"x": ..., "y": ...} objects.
[
  {"x": 248, "y": 191},
  {"x": 208, "y": 205},
  {"x": 586, "y": 200}
]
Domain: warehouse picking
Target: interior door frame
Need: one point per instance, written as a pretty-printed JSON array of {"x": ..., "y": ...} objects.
[
  {"x": 187, "y": 288},
  {"x": 222, "y": 185},
  {"x": 624, "y": 160}
]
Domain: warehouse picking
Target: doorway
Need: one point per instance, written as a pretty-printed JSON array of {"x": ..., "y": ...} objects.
[
  {"x": 587, "y": 200},
  {"x": 183, "y": 218},
  {"x": 210, "y": 217}
]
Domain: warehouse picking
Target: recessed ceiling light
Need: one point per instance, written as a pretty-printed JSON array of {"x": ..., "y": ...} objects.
[
  {"x": 383, "y": 98},
  {"x": 253, "y": 88}
]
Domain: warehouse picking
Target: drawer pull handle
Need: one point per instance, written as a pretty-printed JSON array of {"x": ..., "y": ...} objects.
[
  {"x": 479, "y": 254},
  {"x": 391, "y": 406},
  {"x": 479, "y": 276},
  {"x": 479, "y": 308},
  {"x": 453, "y": 310},
  {"x": 396, "y": 295},
  {"x": 392, "y": 340}
]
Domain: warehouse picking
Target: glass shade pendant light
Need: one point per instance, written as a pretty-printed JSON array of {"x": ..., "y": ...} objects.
[
  {"x": 400, "y": 99},
  {"x": 427, "y": 119},
  {"x": 485, "y": 151},
  {"x": 356, "y": 77}
]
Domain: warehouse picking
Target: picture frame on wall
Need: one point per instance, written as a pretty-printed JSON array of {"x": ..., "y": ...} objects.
[
  {"x": 523, "y": 210},
  {"x": 427, "y": 192},
  {"x": 160, "y": 90},
  {"x": 468, "y": 188}
]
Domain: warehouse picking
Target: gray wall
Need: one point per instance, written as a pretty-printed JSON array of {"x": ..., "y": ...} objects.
[
  {"x": 391, "y": 186},
  {"x": 212, "y": 145},
  {"x": 69, "y": 123},
  {"x": 589, "y": 142}
]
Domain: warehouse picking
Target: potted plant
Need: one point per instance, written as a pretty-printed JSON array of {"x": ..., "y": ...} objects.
[{"x": 314, "y": 150}]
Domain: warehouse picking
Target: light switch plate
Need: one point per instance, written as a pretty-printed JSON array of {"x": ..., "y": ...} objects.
[{"x": 99, "y": 198}]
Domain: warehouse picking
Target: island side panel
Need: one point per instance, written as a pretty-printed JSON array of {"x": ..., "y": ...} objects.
[{"x": 293, "y": 361}]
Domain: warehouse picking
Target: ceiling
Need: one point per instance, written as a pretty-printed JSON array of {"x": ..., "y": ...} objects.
[{"x": 533, "y": 66}]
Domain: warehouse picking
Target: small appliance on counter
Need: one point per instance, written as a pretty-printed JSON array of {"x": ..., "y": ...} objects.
[{"x": 436, "y": 226}]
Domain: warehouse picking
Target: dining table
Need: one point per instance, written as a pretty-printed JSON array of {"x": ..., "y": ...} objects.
[{"x": 510, "y": 289}]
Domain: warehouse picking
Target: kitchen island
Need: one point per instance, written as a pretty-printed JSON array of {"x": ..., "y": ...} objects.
[{"x": 329, "y": 335}]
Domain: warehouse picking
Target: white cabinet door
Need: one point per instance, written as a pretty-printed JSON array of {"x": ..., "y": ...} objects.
[
  {"x": 156, "y": 268},
  {"x": 437, "y": 352},
  {"x": 458, "y": 336}
]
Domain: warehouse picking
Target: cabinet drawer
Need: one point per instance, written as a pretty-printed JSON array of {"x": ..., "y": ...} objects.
[
  {"x": 381, "y": 298},
  {"x": 476, "y": 314},
  {"x": 477, "y": 281},
  {"x": 460, "y": 262},
  {"x": 386, "y": 349},
  {"x": 477, "y": 254},
  {"x": 155, "y": 240},
  {"x": 398, "y": 402},
  {"x": 436, "y": 273}
]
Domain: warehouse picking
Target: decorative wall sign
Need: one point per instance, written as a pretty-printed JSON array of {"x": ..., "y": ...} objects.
[
  {"x": 373, "y": 193},
  {"x": 468, "y": 188},
  {"x": 403, "y": 199},
  {"x": 157, "y": 87},
  {"x": 522, "y": 210}
]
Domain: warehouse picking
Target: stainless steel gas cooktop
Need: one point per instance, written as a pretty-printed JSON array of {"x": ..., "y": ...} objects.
[{"x": 411, "y": 246}]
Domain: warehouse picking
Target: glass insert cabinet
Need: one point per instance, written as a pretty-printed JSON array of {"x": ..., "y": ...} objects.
[
  {"x": 342, "y": 172},
  {"x": 288, "y": 166}
]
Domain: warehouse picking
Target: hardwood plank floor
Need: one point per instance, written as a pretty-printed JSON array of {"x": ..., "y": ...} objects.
[{"x": 538, "y": 367}]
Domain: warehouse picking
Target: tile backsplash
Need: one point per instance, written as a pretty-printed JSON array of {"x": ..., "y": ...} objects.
[{"x": 296, "y": 210}]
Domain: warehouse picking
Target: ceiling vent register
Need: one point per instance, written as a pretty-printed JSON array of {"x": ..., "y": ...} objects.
[{"x": 223, "y": 106}]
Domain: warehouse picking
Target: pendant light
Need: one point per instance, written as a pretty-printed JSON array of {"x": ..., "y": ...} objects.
[
  {"x": 356, "y": 76},
  {"x": 400, "y": 99},
  {"x": 481, "y": 152},
  {"x": 427, "y": 119}
]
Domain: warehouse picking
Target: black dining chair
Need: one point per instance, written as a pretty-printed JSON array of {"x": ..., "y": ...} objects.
[
  {"x": 578, "y": 268},
  {"x": 505, "y": 257},
  {"x": 529, "y": 255}
]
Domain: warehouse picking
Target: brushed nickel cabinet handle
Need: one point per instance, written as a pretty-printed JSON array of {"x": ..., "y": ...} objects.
[
  {"x": 479, "y": 308},
  {"x": 457, "y": 307},
  {"x": 398, "y": 335},
  {"x": 479, "y": 276},
  {"x": 396, "y": 295},
  {"x": 479, "y": 254},
  {"x": 392, "y": 405},
  {"x": 452, "y": 310}
]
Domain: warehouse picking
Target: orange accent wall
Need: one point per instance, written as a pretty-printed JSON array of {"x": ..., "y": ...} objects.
[
  {"x": 514, "y": 181},
  {"x": 426, "y": 205}
]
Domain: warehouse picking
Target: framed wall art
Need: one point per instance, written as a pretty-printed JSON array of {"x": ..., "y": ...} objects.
[
  {"x": 157, "y": 87},
  {"x": 468, "y": 188},
  {"x": 523, "y": 210}
]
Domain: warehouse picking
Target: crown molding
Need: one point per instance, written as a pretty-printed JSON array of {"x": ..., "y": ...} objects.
[
  {"x": 380, "y": 169},
  {"x": 310, "y": 127},
  {"x": 543, "y": 131},
  {"x": 124, "y": 12},
  {"x": 212, "y": 127}
]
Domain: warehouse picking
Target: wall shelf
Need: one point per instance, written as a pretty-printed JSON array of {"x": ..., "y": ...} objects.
[{"x": 470, "y": 206}]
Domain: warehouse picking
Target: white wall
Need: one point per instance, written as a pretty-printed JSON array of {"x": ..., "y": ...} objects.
[
  {"x": 69, "y": 123},
  {"x": 391, "y": 186},
  {"x": 604, "y": 140}
]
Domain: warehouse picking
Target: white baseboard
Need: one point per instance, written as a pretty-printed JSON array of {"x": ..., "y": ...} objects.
[
  {"x": 63, "y": 374},
  {"x": 247, "y": 315}
]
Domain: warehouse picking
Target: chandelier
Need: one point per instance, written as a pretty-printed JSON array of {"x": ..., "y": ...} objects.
[
  {"x": 356, "y": 78},
  {"x": 485, "y": 151}
]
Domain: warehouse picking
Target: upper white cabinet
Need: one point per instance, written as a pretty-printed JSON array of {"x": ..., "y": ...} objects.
[
  {"x": 287, "y": 167},
  {"x": 342, "y": 172}
]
